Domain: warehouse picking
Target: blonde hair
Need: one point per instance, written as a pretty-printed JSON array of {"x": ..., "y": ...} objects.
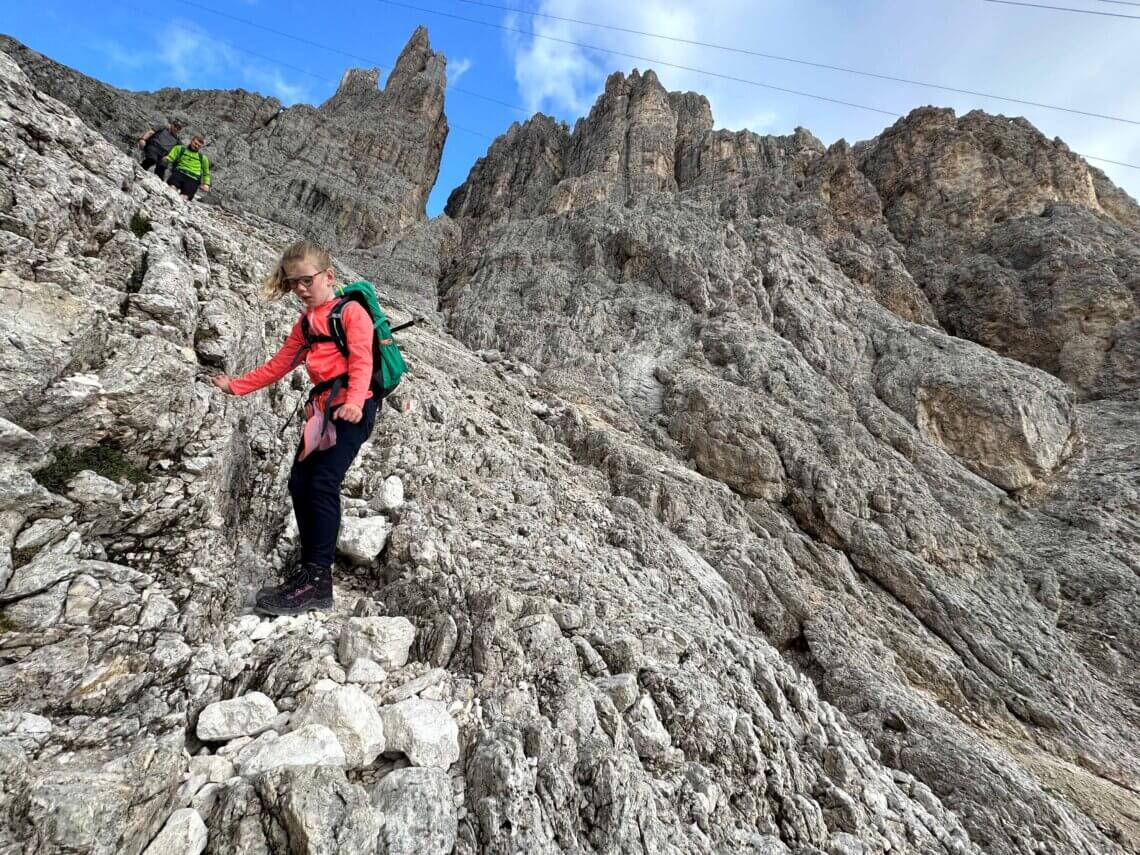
[{"x": 273, "y": 286}]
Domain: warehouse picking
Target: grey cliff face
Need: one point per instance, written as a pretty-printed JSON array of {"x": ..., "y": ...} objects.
[
  {"x": 352, "y": 172},
  {"x": 719, "y": 512}
]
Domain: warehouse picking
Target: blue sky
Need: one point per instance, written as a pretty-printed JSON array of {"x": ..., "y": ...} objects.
[{"x": 1081, "y": 61}]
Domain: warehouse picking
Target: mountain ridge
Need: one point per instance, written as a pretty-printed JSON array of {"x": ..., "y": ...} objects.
[{"x": 713, "y": 536}]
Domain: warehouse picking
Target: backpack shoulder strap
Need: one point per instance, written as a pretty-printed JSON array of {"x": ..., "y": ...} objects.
[{"x": 336, "y": 325}]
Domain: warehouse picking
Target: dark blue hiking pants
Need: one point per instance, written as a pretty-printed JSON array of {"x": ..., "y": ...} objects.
[{"x": 315, "y": 483}]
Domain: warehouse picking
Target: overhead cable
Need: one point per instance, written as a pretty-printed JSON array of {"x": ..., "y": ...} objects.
[
  {"x": 288, "y": 35},
  {"x": 1064, "y": 9},
  {"x": 332, "y": 49},
  {"x": 658, "y": 62},
  {"x": 824, "y": 65}
]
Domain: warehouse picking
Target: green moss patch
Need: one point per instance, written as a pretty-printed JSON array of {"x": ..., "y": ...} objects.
[
  {"x": 140, "y": 225},
  {"x": 102, "y": 459}
]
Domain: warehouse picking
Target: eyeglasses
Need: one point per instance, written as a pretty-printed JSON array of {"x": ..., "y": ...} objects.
[{"x": 303, "y": 281}]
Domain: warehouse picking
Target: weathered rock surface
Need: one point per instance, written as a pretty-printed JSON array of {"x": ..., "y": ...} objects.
[
  {"x": 352, "y": 172},
  {"x": 719, "y": 541},
  {"x": 362, "y": 538},
  {"x": 416, "y": 811},
  {"x": 352, "y": 716},
  {"x": 384, "y": 640},
  {"x": 423, "y": 730},
  {"x": 245, "y": 716},
  {"x": 183, "y": 834},
  {"x": 308, "y": 745}
]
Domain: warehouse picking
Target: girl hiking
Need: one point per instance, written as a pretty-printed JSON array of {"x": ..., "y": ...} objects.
[{"x": 335, "y": 339}]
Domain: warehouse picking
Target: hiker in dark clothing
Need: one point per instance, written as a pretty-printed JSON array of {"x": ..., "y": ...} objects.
[
  {"x": 156, "y": 144},
  {"x": 191, "y": 170}
]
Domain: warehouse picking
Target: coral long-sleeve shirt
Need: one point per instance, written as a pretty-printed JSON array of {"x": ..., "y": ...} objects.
[{"x": 323, "y": 361}]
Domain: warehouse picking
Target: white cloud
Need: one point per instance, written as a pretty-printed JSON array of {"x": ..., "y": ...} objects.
[
  {"x": 189, "y": 53},
  {"x": 1069, "y": 60},
  {"x": 457, "y": 68},
  {"x": 185, "y": 55},
  {"x": 118, "y": 55}
]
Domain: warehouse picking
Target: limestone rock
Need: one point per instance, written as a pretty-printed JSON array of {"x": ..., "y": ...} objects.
[
  {"x": 391, "y": 494},
  {"x": 214, "y": 769},
  {"x": 417, "y": 812},
  {"x": 345, "y": 200},
  {"x": 649, "y": 736},
  {"x": 423, "y": 730},
  {"x": 315, "y": 809},
  {"x": 384, "y": 640},
  {"x": 362, "y": 538},
  {"x": 247, "y": 715},
  {"x": 184, "y": 834},
  {"x": 830, "y": 449},
  {"x": 366, "y": 671},
  {"x": 621, "y": 688},
  {"x": 311, "y": 745},
  {"x": 352, "y": 716}
]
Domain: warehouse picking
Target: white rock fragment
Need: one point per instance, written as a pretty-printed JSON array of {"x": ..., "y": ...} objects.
[
  {"x": 650, "y": 738},
  {"x": 362, "y": 538},
  {"x": 248, "y": 623},
  {"x": 384, "y": 640},
  {"x": 205, "y": 799},
  {"x": 423, "y": 730},
  {"x": 622, "y": 689},
  {"x": 352, "y": 716},
  {"x": 366, "y": 671},
  {"x": 213, "y": 768},
  {"x": 311, "y": 745},
  {"x": 391, "y": 494},
  {"x": 184, "y": 834},
  {"x": 28, "y": 729},
  {"x": 243, "y": 716}
]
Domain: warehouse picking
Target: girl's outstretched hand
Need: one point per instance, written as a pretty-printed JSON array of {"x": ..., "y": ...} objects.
[
  {"x": 222, "y": 381},
  {"x": 349, "y": 413}
]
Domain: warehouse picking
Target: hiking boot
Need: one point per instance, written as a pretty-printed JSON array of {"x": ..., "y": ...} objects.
[
  {"x": 310, "y": 589},
  {"x": 289, "y": 580}
]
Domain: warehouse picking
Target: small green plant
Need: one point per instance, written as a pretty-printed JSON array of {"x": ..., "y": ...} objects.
[
  {"x": 102, "y": 459},
  {"x": 6, "y": 624},
  {"x": 140, "y": 225}
]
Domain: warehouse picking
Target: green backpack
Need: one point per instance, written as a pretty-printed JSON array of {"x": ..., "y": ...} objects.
[{"x": 388, "y": 364}]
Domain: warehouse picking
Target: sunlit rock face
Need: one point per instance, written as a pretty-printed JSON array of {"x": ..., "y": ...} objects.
[{"x": 736, "y": 513}]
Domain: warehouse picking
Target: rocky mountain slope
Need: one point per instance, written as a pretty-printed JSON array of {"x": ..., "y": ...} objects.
[
  {"x": 383, "y": 145},
  {"x": 747, "y": 495}
]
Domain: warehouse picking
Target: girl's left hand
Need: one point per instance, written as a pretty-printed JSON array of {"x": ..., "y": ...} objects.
[{"x": 349, "y": 413}]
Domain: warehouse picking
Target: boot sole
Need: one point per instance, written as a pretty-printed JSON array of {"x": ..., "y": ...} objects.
[{"x": 312, "y": 605}]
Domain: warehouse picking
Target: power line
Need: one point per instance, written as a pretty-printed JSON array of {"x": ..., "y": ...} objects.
[
  {"x": 1106, "y": 160},
  {"x": 358, "y": 58},
  {"x": 1121, "y": 2},
  {"x": 473, "y": 132},
  {"x": 1064, "y": 9},
  {"x": 659, "y": 62},
  {"x": 682, "y": 67},
  {"x": 778, "y": 58},
  {"x": 332, "y": 49}
]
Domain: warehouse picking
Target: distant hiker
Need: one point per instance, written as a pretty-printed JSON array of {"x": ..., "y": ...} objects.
[
  {"x": 351, "y": 358},
  {"x": 156, "y": 144},
  {"x": 191, "y": 168}
]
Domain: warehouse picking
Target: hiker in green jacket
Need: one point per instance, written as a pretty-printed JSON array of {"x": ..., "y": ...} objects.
[{"x": 190, "y": 168}]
